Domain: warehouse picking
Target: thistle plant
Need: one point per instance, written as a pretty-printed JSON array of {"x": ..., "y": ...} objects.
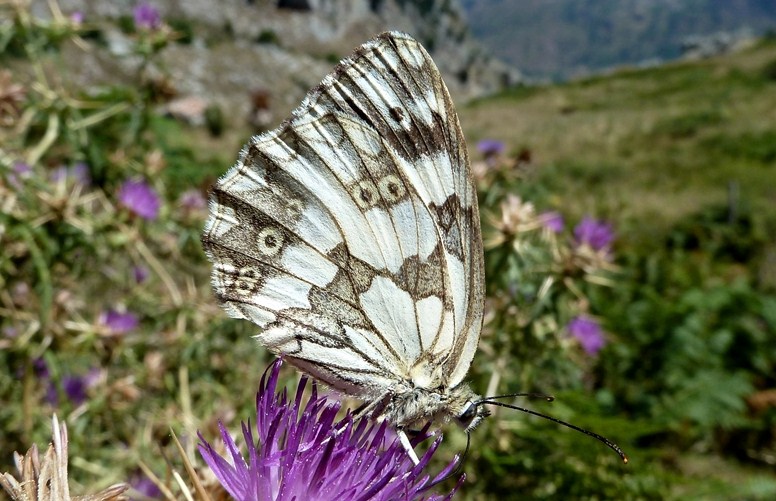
[
  {"x": 47, "y": 479},
  {"x": 539, "y": 275},
  {"x": 302, "y": 451}
]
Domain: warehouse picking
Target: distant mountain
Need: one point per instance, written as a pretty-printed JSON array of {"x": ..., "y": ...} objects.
[{"x": 557, "y": 39}]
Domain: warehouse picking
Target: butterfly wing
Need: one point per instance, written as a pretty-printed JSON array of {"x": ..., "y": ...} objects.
[{"x": 350, "y": 233}]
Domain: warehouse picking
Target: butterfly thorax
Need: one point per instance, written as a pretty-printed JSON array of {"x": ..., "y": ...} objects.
[{"x": 412, "y": 406}]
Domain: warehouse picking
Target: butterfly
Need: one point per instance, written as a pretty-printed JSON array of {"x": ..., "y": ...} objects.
[{"x": 351, "y": 236}]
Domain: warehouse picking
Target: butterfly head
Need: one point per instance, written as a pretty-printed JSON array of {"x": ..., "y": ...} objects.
[{"x": 466, "y": 408}]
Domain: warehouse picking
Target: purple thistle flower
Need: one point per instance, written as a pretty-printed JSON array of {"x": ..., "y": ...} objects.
[
  {"x": 192, "y": 200},
  {"x": 597, "y": 234},
  {"x": 553, "y": 221},
  {"x": 22, "y": 169},
  {"x": 140, "y": 274},
  {"x": 59, "y": 174},
  {"x": 75, "y": 388},
  {"x": 77, "y": 17},
  {"x": 145, "y": 486},
  {"x": 309, "y": 455},
  {"x": 119, "y": 323},
  {"x": 140, "y": 199},
  {"x": 490, "y": 147},
  {"x": 146, "y": 16},
  {"x": 40, "y": 368},
  {"x": 588, "y": 331},
  {"x": 19, "y": 172},
  {"x": 52, "y": 396},
  {"x": 78, "y": 172}
]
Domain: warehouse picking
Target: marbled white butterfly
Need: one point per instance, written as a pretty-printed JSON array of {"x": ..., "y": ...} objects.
[{"x": 351, "y": 235}]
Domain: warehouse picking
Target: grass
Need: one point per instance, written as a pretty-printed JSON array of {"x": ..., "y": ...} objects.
[{"x": 657, "y": 143}]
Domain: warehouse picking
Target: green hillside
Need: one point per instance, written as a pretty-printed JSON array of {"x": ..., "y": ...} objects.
[{"x": 649, "y": 145}]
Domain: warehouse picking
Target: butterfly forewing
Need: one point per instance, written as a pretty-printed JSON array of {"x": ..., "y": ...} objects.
[{"x": 351, "y": 235}]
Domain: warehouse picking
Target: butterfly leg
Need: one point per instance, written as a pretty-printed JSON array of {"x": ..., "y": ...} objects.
[{"x": 405, "y": 441}]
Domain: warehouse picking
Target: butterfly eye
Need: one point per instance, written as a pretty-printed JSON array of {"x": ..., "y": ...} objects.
[{"x": 467, "y": 415}]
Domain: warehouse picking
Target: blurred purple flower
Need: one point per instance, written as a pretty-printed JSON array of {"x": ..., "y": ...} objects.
[
  {"x": 19, "y": 172},
  {"x": 119, "y": 323},
  {"x": 10, "y": 332},
  {"x": 140, "y": 198},
  {"x": 140, "y": 274},
  {"x": 192, "y": 200},
  {"x": 588, "y": 332},
  {"x": 77, "y": 17},
  {"x": 146, "y": 16},
  {"x": 145, "y": 486},
  {"x": 490, "y": 147},
  {"x": 76, "y": 386},
  {"x": 41, "y": 371},
  {"x": 40, "y": 368},
  {"x": 303, "y": 453},
  {"x": 58, "y": 174},
  {"x": 52, "y": 396},
  {"x": 78, "y": 172},
  {"x": 22, "y": 169},
  {"x": 553, "y": 221},
  {"x": 597, "y": 234}
]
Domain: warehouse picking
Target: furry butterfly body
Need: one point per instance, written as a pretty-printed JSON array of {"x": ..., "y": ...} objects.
[{"x": 350, "y": 234}]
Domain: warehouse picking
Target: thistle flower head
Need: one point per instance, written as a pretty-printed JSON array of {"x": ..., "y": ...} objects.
[
  {"x": 304, "y": 452},
  {"x": 117, "y": 322},
  {"x": 517, "y": 217},
  {"x": 140, "y": 199},
  {"x": 599, "y": 235},
  {"x": 146, "y": 16},
  {"x": 588, "y": 332},
  {"x": 552, "y": 220},
  {"x": 490, "y": 147}
]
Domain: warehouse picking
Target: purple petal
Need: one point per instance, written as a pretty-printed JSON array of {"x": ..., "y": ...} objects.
[
  {"x": 23, "y": 169},
  {"x": 490, "y": 147},
  {"x": 140, "y": 274},
  {"x": 553, "y": 221},
  {"x": 140, "y": 199},
  {"x": 59, "y": 174},
  {"x": 75, "y": 388},
  {"x": 597, "y": 234},
  {"x": 588, "y": 331},
  {"x": 302, "y": 451},
  {"x": 146, "y": 16},
  {"x": 19, "y": 172},
  {"x": 79, "y": 172},
  {"x": 51, "y": 397},
  {"x": 145, "y": 486},
  {"x": 40, "y": 368},
  {"x": 192, "y": 200},
  {"x": 10, "y": 332},
  {"x": 119, "y": 323}
]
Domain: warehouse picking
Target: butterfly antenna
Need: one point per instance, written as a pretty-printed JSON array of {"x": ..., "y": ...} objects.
[
  {"x": 543, "y": 396},
  {"x": 609, "y": 443}
]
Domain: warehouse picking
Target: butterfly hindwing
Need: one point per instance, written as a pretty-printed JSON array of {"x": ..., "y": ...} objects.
[{"x": 350, "y": 234}]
